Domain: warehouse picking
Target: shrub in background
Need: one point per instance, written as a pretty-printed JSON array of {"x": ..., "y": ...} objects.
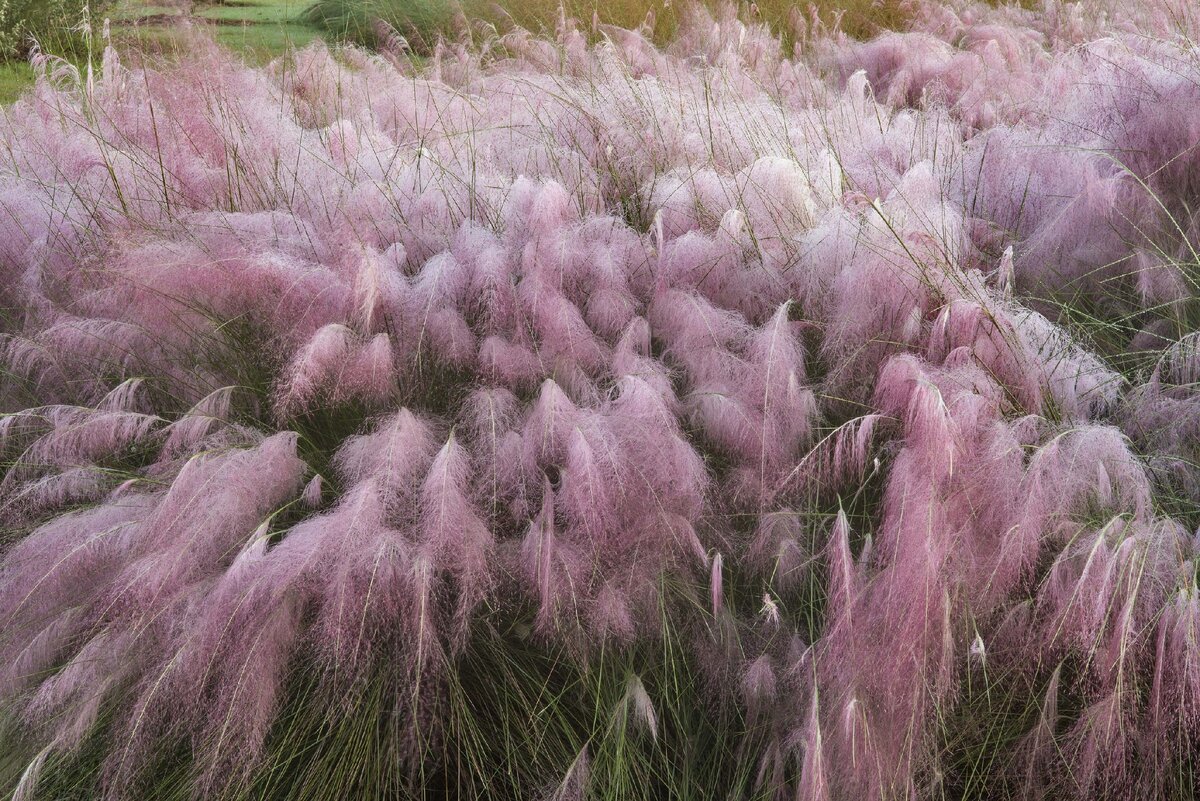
[
  {"x": 55, "y": 25},
  {"x": 366, "y": 21}
]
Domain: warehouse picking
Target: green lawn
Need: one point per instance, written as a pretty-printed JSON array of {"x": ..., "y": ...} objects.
[{"x": 260, "y": 29}]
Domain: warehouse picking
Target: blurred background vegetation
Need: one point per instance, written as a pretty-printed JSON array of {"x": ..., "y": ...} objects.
[
  {"x": 24, "y": 22},
  {"x": 422, "y": 21},
  {"x": 264, "y": 29}
]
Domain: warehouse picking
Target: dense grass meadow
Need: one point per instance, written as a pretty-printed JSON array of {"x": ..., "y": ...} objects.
[{"x": 676, "y": 402}]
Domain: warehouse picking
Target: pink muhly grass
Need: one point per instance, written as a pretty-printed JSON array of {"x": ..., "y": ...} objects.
[
  {"x": 398, "y": 451},
  {"x": 554, "y": 567},
  {"x": 814, "y": 782},
  {"x": 574, "y": 782},
  {"x": 759, "y": 683},
  {"x": 638, "y": 705},
  {"x": 370, "y": 376},
  {"x": 211, "y": 412},
  {"x": 787, "y": 405},
  {"x": 777, "y": 197},
  {"x": 548, "y": 354},
  {"x": 610, "y": 616},
  {"x": 252, "y": 683},
  {"x": 1100, "y": 740},
  {"x": 907, "y": 392},
  {"x": 842, "y": 573},
  {"x": 315, "y": 367},
  {"x": 312, "y": 492},
  {"x": 452, "y": 535},
  {"x": 1177, "y": 684},
  {"x": 539, "y": 552},
  {"x": 70, "y": 436},
  {"x": 1038, "y": 746},
  {"x": 562, "y": 332},
  {"x": 717, "y": 584},
  {"x": 591, "y": 479},
  {"x": 508, "y": 363}
]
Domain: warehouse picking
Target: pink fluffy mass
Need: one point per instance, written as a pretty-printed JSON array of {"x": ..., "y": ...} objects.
[{"x": 867, "y": 374}]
